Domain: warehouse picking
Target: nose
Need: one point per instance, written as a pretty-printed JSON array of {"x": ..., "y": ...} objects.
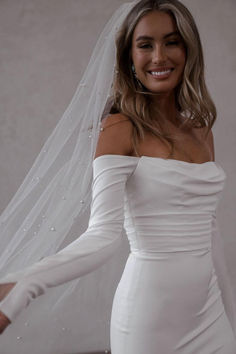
[{"x": 159, "y": 54}]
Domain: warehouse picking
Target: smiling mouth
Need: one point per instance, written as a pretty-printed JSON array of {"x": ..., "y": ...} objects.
[{"x": 160, "y": 74}]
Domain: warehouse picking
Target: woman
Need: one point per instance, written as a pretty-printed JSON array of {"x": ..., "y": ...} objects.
[{"x": 155, "y": 152}]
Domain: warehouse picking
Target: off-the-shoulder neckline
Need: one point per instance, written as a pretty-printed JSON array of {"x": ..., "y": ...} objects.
[{"x": 156, "y": 158}]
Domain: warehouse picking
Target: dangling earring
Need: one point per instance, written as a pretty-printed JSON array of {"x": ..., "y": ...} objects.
[
  {"x": 133, "y": 69},
  {"x": 135, "y": 76}
]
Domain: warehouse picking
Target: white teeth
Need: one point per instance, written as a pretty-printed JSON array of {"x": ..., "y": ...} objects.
[{"x": 159, "y": 73}]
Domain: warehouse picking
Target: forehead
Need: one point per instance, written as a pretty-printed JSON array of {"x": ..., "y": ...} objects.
[{"x": 155, "y": 24}]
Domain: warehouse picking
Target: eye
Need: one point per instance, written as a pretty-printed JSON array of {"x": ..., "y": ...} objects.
[
  {"x": 144, "y": 46},
  {"x": 176, "y": 42}
]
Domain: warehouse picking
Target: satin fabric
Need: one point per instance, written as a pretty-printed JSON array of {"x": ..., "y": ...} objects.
[{"x": 168, "y": 299}]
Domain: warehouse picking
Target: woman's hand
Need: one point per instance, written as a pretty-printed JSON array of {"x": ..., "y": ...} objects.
[
  {"x": 4, "y": 322},
  {"x": 4, "y": 290}
]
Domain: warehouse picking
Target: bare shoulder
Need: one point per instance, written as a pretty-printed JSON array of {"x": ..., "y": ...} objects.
[
  {"x": 115, "y": 137},
  {"x": 209, "y": 139}
]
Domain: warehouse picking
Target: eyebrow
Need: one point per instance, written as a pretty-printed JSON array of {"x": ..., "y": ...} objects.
[{"x": 151, "y": 38}]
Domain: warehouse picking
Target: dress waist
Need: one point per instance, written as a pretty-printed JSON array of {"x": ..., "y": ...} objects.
[{"x": 152, "y": 235}]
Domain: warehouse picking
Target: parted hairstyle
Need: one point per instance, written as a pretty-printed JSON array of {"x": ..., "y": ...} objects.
[{"x": 193, "y": 100}]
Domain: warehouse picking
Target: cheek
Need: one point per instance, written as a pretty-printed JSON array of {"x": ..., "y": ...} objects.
[
  {"x": 139, "y": 58},
  {"x": 181, "y": 58}
]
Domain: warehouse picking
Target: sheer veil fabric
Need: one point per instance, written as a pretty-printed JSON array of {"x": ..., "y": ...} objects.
[{"x": 51, "y": 209}]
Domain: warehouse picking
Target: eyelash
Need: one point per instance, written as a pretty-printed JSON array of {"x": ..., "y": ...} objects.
[
  {"x": 173, "y": 42},
  {"x": 168, "y": 43}
]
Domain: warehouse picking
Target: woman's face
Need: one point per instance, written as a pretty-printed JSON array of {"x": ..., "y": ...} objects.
[{"x": 158, "y": 52}]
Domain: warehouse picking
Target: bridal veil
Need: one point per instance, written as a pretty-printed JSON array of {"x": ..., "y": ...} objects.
[{"x": 51, "y": 209}]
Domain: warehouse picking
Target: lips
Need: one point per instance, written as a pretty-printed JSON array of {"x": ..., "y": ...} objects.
[
  {"x": 160, "y": 73},
  {"x": 161, "y": 68}
]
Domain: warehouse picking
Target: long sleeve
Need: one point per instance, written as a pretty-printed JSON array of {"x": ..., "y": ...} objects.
[
  {"x": 91, "y": 250},
  {"x": 222, "y": 274}
]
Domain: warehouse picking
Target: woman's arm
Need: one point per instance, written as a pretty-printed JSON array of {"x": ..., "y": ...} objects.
[
  {"x": 102, "y": 237},
  {"x": 219, "y": 261},
  {"x": 221, "y": 272}
]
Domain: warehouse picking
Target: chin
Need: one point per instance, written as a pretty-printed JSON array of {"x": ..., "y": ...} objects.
[{"x": 161, "y": 88}]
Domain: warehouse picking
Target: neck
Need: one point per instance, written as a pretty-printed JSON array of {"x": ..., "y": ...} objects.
[{"x": 166, "y": 105}]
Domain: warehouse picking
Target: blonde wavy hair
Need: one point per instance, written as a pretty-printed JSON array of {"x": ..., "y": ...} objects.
[{"x": 193, "y": 100}]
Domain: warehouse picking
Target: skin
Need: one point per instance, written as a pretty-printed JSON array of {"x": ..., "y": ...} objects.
[
  {"x": 158, "y": 51},
  {"x": 161, "y": 50},
  {"x": 4, "y": 290},
  {"x": 157, "y": 44}
]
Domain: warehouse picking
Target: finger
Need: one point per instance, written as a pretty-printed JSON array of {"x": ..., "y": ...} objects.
[
  {"x": 3, "y": 326},
  {"x": 4, "y": 319}
]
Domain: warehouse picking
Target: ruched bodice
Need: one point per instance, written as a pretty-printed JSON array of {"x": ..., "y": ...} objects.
[
  {"x": 169, "y": 204},
  {"x": 168, "y": 300}
]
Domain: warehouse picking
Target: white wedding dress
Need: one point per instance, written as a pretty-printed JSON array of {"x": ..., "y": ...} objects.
[{"x": 168, "y": 299}]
